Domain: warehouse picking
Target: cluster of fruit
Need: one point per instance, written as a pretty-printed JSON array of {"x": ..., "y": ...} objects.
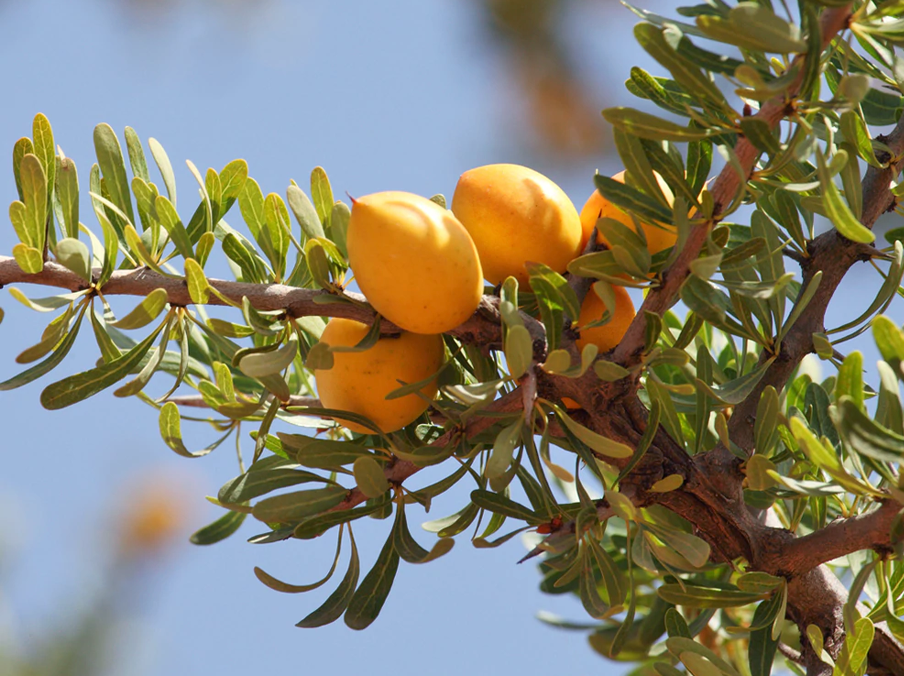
[{"x": 407, "y": 251}]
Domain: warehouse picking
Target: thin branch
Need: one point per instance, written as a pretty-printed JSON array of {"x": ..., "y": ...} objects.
[
  {"x": 400, "y": 470},
  {"x": 724, "y": 190},
  {"x": 197, "y": 401},
  {"x": 483, "y": 327},
  {"x": 832, "y": 255}
]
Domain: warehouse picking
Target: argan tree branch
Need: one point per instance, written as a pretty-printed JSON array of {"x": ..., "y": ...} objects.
[
  {"x": 839, "y": 538},
  {"x": 483, "y": 328},
  {"x": 832, "y": 255},
  {"x": 724, "y": 190},
  {"x": 400, "y": 470}
]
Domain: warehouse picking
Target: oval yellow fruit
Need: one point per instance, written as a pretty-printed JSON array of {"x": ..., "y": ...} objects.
[
  {"x": 360, "y": 381},
  {"x": 516, "y": 215},
  {"x": 608, "y": 335},
  {"x": 659, "y": 237},
  {"x": 414, "y": 261}
]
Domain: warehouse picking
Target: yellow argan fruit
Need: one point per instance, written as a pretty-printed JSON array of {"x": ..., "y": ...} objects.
[
  {"x": 360, "y": 381},
  {"x": 516, "y": 215},
  {"x": 659, "y": 238},
  {"x": 414, "y": 261},
  {"x": 608, "y": 335}
]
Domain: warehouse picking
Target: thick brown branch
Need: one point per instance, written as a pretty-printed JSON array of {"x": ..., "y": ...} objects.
[{"x": 840, "y": 538}]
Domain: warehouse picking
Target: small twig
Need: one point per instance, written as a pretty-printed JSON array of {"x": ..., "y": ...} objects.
[
  {"x": 400, "y": 470},
  {"x": 197, "y": 401}
]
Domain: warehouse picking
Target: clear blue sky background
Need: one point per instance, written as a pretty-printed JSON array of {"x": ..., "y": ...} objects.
[{"x": 403, "y": 95}]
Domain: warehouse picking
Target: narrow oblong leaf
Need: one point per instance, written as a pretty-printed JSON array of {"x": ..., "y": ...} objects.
[
  {"x": 305, "y": 212},
  {"x": 694, "y": 596},
  {"x": 596, "y": 442},
  {"x": 112, "y": 166},
  {"x": 219, "y": 530},
  {"x": 370, "y": 596},
  {"x": 332, "y": 609},
  {"x": 644, "y": 125},
  {"x": 75, "y": 388},
  {"x": 298, "y": 505}
]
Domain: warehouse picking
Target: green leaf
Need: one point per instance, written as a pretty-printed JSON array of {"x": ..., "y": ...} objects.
[
  {"x": 752, "y": 26},
  {"x": 22, "y": 147},
  {"x": 857, "y": 643},
  {"x": 280, "y": 586},
  {"x": 760, "y": 134},
  {"x": 316, "y": 526},
  {"x": 555, "y": 286},
  {"x": 698, "y": 665},
  {"x": 850, "y": 379},
  {"x": 499, "y": 504},
  {"x": 693, "y": 596},
  {"x": 369, "y": 477},
  {"x": 75, "y": 388},
  {"x": 407, "y": 546},
  {"x": 630, "y": 199},
  {"x": 503, "y": 448},
  {"x": 257, "y": 482},
  {"x": 45, "y": 150},
  {"x": 171, "y": 431},
  {"x": 322, "y": 195},
  {"x": 305, "y": 212},
  {"x": 112, "y": 166},
  {"x": 759, "y": 582},
  {"x": 31, "y": 260},
  {"x": 321, "y": 453},
  {"x": 263, "y": 364},
  {"x": 219, "y": 530},
  {"x": 644, "y": 125},
  {"x": 890, "y": 341},
  {"x": 67, "y": 192},
  {"x": 75, "y": 256},
  {"x": 596, "y": 442},
  {"x": 518, "y": 350},
  {"x": 165, "y": 168},
  {"x": 663, "y": 48},
  {"x": 332, "y": 609},
  {"x": 295, "y": 506},
  {"x": 34, "y": 195},
  {"x": 368, "y": 600},
  {"x": 682, "y": 647},
  {"x": 196, "y": 281},
  {"x": 169, "y": 219},
  {"x": 694, "y": 550},
  {"x": 136, "y": 155},
  {"x": 675, "y": 624},
  {"x": 59, "y": 353},
  {"x": 838, "y": 211},
  {"x": 765, "y": 426},
  {"x": 864, "y": 435}
]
